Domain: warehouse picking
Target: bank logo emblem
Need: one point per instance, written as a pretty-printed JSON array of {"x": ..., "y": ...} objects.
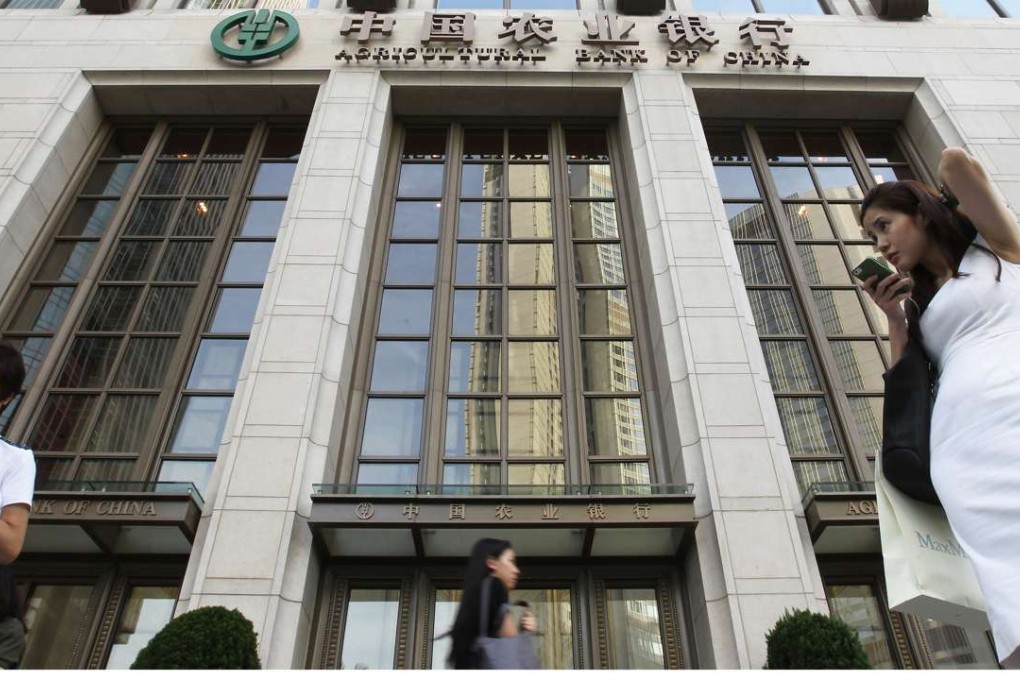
[{"x": 256, "y": 30}]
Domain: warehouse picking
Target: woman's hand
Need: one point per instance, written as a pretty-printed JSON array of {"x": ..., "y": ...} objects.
[
  {"x": 883, "y": 292},
  {"x": 528, "y": 621}
]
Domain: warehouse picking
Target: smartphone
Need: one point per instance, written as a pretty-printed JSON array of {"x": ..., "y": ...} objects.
[{"x": 872, "y": 266}]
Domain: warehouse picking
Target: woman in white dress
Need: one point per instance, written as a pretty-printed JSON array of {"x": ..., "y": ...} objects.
[{"x": 966, "y": 304}]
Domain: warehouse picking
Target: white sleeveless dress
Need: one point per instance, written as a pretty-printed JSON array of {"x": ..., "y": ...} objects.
[{"x": 972, "y": 332}]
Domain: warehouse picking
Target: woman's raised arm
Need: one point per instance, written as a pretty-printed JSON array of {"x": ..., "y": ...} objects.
[{"x": 963, "y": 175}]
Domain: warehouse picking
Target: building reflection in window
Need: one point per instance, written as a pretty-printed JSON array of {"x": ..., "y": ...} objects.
[
  {"x": 858, "y": 606},
  {"x": 148, "y": 609},
  {"x": 635, "y": 637},
  {"x": 370, "y": 632},
  {"x": 54, "y": 616}
]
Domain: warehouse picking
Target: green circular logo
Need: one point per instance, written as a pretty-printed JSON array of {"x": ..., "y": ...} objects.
[{"x": 255, "y": 30}]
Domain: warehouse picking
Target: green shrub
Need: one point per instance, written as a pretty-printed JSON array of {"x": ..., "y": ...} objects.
[
  {"x": 806, "y": 640},
  {"x": 204, "y": 638}
]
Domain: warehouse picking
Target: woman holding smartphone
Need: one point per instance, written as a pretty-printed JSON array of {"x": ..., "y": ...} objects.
[{"x": 964, "y": 305}]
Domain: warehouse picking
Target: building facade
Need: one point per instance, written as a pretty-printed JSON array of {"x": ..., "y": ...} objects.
[{"x": 313, "y": 299}]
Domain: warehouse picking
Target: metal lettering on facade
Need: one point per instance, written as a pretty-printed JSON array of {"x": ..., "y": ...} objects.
[
  {"x": 103, "y": 508},
  {"x": 861, "y": 508}
]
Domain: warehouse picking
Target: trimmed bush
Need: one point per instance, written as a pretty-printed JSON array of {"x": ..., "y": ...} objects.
[
  {"x": 806, "y": 640},
  {"x": 204, "y": 638}
]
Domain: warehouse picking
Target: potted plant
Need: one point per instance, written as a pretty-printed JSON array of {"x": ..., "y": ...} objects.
[
  {"x": 204, "y": 638},
  {"x": 807, "y": 640}
]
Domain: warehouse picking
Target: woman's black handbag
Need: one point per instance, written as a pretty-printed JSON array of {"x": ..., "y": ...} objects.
[
  {"x": 906, "y": 423},
  {"x": 503, "y": 653}
]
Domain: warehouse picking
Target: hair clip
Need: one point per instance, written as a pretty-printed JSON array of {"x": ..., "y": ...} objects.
[{"x": 948, "y": 200}]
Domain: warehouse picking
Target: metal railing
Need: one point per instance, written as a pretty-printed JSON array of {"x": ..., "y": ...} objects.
[
  {"x": 836, "y": 487},
  {"x": 502, "y": 490},
  {"x": 176, "y": 488}
]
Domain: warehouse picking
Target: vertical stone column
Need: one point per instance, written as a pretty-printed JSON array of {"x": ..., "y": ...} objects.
[
  {"x": 256, "y": 552},
  {"x": 753, "y": 557}
]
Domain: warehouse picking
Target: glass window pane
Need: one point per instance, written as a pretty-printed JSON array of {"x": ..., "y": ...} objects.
[
  {"x": 472, "y": 427},
  {"x": 284, "y": 143},
  {"x": 131, "y": 261},
  {"x": 399, "y": 366},
  {"x": 792, "y": 7},
  {"x": 824, "y": 265},
  {"x": 393, "y": 428},
  {"x": 818, "y": 472},
  {"x": 859, "y": 607},
  {"x": 539, "y": 475},
  {"x": 151, "y": 217},
  {"x": 147, "y": 610},
  {"x": 532, "y": 312},
  {"x": 635, "y": 637},
  {"x": 184, "y": 142},
  {"x": 370, "y": 636},
  {"x": 477, "y": 312},
  {"x": 424, "y": 143},
  {"x": 183, "y": 260},
  {"x": 421, "y": 179},
  {"x": 474, "y": 367},
  {"x": 111, "y": 308},
  {"x": 127, "y": 142},
  {"x": 109, "y": 179},
  {"x": 609, "y": 366},
  {"x": 552, "y": 609},
  {"x": 217, "y": 364},
  {"x": 89, "y": 362},
  {"x": 165, "y": 308},
  {"x": 145, "y": 363},
  {"x": 808, "y": 221},
  {"x": 881, "y": 147},
  {"x": 532, "y": 264},
  {"x": 482, "y": 180},
  {"x": 483, "y": 144},
  {"x": 841, "y": 312},
  {"x": 123, "y": 424},
  {"x": 794, "y": 183},
  {"x": 534, "y": 367},
  {"x": 534, "y": 5},
  {"x": 736, "y": 181},
  {"x": 615, "y": 427},
  {"x": 603, "y": 312},
  {"x": 599, "y": 263},
  {"x": 247, "y": 263},
  {"x": 263, "y": 218},
  {"x": 587, "y": 180},
  {"x": 724, "y": 146},
  {"x": 460, "y": 478},
  {"x": 594, "y": 220},
  {"x": 781, "y": 147},
  {"x": 33, "y": 351},
  {"x": 416, "y": 219},
  {"x": 167, "y": 178},
  {"x": 968, "y": 9},
  {"x": 534, "y": 144},
  {"x": 891, "y": 174},
  {"x": 846, "y": 217},
  {"x": 868, "y": 415},
  {"x": 201, "y": 217},
  {"x": 775, "y": 312},
  {"x": 527, "y": 181},
  {"x": 235, "y": 310},
  {"x": 273, "y": 179},
  {"x": 105, "y": 470},
  {"x": 43, "y": 309},
  {"x": 479, "y": 263},
  {"x": 822, "y": 147},
  {"x": 860, "y": 364},
  {"x": 227, "y": 142},
  {"x": 535, "y": 428},
  {"x": 444, "y": 613},
  {"x": 807, "y": 427},
  {"x": 89, "y": 218},
  {"x": 67, "y": 261},
  {"x": 214, "y": 179},
  {"x": 760, "y": 264},
  {"x": 55, "y": 618},
  {"x": 411, "y": 263},
  {"x": 790, "y": 366},
  {"x": 591, "y": 145},
  {"x": 480, "y": 219},
  {"x": 62, "y": 424},
  {"x": 57, "y": 469},
  {"x": 531, "y": 220},
  {"x": 632, "y": 478},
  {"x": 197, "y": 472},
  {"x": 399, "y": 475},
  {"x": 405, "y": 312},
  {"x": 199, "y": 425},
  {"x": 954, "y": 648},
  {"x": 748, "y": 220},
  {"x": 839, "y": 183}
]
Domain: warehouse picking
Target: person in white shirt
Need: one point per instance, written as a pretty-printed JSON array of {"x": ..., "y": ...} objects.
[{"x": 17, "y": 483}]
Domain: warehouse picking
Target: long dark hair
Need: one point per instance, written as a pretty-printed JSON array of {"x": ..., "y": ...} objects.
[
  {"x": 465, "y": 627},
  {"x": 948, "y": 230}
]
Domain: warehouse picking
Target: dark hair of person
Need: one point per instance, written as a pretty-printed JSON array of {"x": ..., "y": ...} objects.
[
  {"x": 466, "y": 626},
  {"x": 12, "y": 371},
  {"x": 948, "y": 231}
]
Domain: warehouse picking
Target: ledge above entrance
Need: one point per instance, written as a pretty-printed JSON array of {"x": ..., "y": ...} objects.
[
  {"x": 843, "y": 517},
  {"x": 118, "y": 518},
  {"x": 445, "y": 521}
]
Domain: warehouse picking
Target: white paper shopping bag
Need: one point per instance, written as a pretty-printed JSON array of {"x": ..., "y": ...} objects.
[{"x": 926, "y": 571}]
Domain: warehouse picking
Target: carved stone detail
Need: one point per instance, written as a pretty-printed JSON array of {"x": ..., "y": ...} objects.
[
  {"x": 601, "y": 615},
  {"x": 113, "y": 604},
  {"x": 670, "y": 627},
  {"x": 403, "y": 629},
  {"x": 334, "y": 621}
]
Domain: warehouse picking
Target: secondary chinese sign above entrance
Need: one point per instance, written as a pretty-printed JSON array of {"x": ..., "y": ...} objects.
[{"x": 608, "y": 39}]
